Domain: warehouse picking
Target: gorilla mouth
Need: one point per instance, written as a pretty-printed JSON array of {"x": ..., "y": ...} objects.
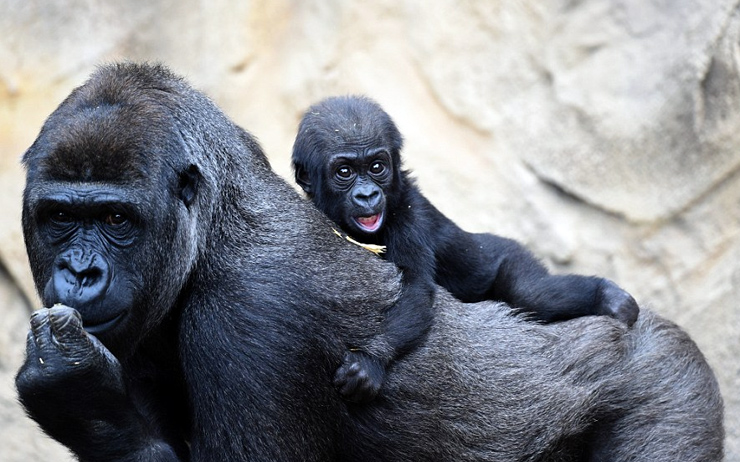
[
  {"x": 103, "y": 326},
  {"x": 370, "y": 224}
]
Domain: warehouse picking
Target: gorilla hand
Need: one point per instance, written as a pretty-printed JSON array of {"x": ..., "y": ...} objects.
[
  {"x": 61, "y": 358},
  {"x": 359, "y": 377},
  {"x": 72, "y": 369},
  {"x": 617, "y": 303}
]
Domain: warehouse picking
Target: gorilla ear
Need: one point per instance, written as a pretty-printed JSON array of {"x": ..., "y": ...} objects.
[
  {"x": 301, "y": 177},
  {"x": 188, "y": 185}
]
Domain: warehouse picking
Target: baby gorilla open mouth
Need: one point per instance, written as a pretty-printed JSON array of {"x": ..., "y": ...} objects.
[{"x": 370, "y": 224}]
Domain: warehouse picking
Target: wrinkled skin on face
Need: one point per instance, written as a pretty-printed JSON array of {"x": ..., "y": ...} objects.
[
  {"x": 347, "y": 159},
  {"x": 99, "y": 240}
]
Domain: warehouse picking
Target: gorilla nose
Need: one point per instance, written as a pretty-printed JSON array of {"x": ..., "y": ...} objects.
[
  {"x": 367, "y": 197},
  {"x": 79, "y": 279}
]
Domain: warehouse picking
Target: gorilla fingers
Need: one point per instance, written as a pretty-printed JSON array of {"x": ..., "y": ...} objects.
[
  {"x": 68, "y": 367},
  {"x": 360, "y": 376}
]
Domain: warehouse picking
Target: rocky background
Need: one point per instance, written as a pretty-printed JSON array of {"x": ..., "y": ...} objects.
[{"x": 605, "y": 134}]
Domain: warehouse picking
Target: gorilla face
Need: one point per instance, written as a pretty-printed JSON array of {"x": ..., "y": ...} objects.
[
  {"x": 346, "y": 158},
  {"x": 89, "y": 232},
  {"x": 101, "y": 237},
  {"x": 359, "y": 181}
]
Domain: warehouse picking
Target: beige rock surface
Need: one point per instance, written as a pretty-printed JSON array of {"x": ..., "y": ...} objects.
[{"x": 605, "y": 134}]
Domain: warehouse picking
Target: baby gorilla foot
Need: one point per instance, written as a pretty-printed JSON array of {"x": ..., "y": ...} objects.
[
  {"x": 617, "y": 303},
  {"x": 360, "y": 377}
]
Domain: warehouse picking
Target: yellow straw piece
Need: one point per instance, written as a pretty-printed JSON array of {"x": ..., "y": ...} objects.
[{"x": 376, "y": 249}]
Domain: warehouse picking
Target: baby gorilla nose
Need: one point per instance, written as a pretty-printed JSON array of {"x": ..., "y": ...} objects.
[{"x": 367, "y": 195}]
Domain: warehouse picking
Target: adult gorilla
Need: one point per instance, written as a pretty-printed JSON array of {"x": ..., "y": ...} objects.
[{"x": 195, "y": 266}]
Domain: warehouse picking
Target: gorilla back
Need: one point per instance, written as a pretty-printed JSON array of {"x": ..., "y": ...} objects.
[
  {"x": 163, "y": 224},
  {"x": 588, "y": 389}
]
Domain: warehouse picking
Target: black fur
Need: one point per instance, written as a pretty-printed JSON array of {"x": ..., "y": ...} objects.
[
  {"x": 242, "y": 286},
  {"x": 346, "y": 157}
]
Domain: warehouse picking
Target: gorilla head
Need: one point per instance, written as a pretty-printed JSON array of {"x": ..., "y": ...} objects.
[
  {"x": 99, "y": 239},
  {"x": 127, "y": 187},
  {"x": 361, "y": 178}
]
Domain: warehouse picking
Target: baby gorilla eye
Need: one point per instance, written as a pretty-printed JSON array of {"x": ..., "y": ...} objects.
[
  {"x": 344, "y": 172},
  {"x": 377, "y": 168}
]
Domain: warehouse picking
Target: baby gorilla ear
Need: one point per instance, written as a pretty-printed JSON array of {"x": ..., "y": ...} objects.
[
  {"x": 302, "y": 178},
  {"x": 188, "y": 184}
]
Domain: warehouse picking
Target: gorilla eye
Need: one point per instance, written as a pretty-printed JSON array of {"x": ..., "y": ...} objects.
[
  {"x": 115, "y": 219},
  {"x": 60, "y": 217},
  {"x": 344, "y": 172},
  {"x": 377, "y": 168}
]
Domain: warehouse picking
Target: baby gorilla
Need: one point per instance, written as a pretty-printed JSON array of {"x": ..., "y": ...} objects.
[{"x": 346, "y": 157}]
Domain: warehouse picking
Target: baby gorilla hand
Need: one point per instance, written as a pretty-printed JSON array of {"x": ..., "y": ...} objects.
[
  {"x": 617, "y": 303},
  {"x": 360, "y": 377}
]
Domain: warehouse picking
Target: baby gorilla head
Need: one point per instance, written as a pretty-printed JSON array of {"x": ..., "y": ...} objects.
[{"x": 346, "y": 158}]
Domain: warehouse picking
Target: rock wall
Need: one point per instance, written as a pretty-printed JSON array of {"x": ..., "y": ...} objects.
[{"x": 605, "y": 134}]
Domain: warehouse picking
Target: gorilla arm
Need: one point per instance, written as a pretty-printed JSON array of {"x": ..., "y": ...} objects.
[
  {"x": 406, "y": 324},
  {"x": 76, "y": 389},
  {"x": 497, "y": 268}
]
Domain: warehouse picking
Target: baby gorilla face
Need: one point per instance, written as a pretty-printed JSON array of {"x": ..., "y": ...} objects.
[{"x": 359, "y": 181}]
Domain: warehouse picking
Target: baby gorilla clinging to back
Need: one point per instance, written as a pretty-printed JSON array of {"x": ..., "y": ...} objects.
[{"x": 346, "y": 158}]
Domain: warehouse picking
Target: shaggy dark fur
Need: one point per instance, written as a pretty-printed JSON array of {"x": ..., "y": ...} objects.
[{"x": 242, "y": 294}]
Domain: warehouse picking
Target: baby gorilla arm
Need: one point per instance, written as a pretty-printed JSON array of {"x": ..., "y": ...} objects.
[
  {"x": 516, "y": 277},
  {"x": 406, "y": 324},
  {"x": 75, "y": 389}
]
